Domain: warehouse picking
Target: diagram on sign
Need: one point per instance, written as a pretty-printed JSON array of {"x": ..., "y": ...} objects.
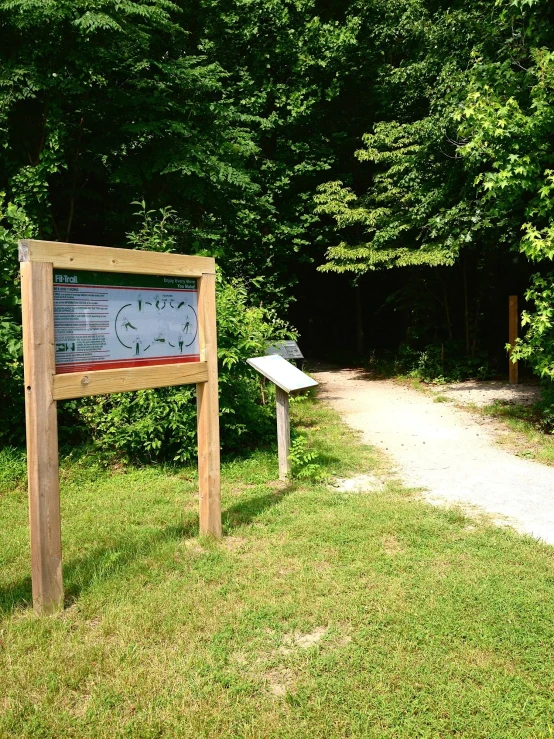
[
  {"x": 104, "y": 322},
  {"x": 156, "y": 323}
]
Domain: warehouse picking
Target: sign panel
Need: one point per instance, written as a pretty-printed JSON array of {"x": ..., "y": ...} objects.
[
  {"x": 282, "y": 373},
  {"x": 104, "y": 320},
  {"x": 286, "y": 349}
]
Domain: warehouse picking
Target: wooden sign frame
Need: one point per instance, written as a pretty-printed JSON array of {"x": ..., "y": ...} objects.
[
  {"x": 513, "y": 326},
  {"x": 43, "y": 388}
]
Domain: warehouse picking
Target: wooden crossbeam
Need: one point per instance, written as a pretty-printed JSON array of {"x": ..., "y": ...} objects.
[
  {"x": 99, "y": 382},
  {"x": 108, "y": 259}
]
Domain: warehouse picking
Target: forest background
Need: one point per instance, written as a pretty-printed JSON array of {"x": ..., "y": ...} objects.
[{"x": 378, "y": 174}]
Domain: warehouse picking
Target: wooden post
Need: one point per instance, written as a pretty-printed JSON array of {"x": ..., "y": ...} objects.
[
  {"x": 42, "y": 436},
  {"x": 513, "y": 332},
  {"x": 283, "y": 433},
  {"x": 359, "y": 318},
  {"x": 208, "y": 413}
]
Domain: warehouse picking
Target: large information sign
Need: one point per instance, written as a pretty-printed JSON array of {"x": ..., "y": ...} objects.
[
  {"x": 106, "y": 320},
  {"x": 99, "y": 320}
]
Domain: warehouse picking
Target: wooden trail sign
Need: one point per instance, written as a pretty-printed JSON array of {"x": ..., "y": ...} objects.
[
  {"x": 287, "y": 350},
  {"x": 513, "y": 326},
  {"x": 287, "y": 379},
  {"x": 100, "y": 320}
]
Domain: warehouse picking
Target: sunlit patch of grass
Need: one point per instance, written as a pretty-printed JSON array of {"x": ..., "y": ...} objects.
[
  {"x": 529, "y": 440},
  {"x": 13, "y": 469},
  {"x": 320, "y": 614}
]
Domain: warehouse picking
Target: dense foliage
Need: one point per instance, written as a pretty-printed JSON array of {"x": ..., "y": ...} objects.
[
  {"x": 412, "y": 134},
  {"x": 207, "y": 107},
  {"x": 191, "y": 112},
  {"x": 13, "y": 222},
  {"x": 461, "y": 159}
]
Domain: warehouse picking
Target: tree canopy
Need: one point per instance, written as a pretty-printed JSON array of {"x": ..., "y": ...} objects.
[{"x": 283, "y": 135}]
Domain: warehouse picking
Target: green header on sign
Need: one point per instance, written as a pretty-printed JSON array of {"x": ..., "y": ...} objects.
[{"x": 116, "y": 279}]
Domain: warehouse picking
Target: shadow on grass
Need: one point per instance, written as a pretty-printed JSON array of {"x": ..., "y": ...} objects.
[
  {"x": 103, "y": 563},
  {"x": 515, "y": 411},
  {"x": 246, "y": 511}
]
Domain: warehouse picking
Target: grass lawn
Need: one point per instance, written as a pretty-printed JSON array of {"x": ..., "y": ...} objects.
[
  {"x": 321, "y": 613},
  {"x": 529, "y": 440}
]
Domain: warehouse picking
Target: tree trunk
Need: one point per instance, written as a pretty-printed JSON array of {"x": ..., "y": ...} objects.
[
  {"x": 359, "y": 320},
  {"x": 447, "y": 311},
  {"x": 466, "y": 307}
]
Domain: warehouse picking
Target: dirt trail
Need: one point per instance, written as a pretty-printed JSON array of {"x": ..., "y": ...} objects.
[{"x": 444, "y": 450}]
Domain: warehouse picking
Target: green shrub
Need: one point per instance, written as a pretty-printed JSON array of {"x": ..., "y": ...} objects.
[
  {"x": 13, "y": 225},
  {"x": 161, "y": 424},
  {"x": 305, "y": 462},
  {"x": 537, "y": 345},
  {"x": 150, "y": 424}
]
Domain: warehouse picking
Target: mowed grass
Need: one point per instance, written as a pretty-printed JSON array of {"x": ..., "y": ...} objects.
[
  {"x": 529, "y": 439},
  {"x": 320, "y": 614}
]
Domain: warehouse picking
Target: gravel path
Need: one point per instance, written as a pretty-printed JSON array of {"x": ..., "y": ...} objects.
[
  {"x": 444, "y": 450},
  {"x": 486, "y": 392}
]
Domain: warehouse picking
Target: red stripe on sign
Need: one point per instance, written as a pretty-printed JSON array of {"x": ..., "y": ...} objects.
[
  {"x": 64, "y": 369},
  {"x": 156, "y": 359}
]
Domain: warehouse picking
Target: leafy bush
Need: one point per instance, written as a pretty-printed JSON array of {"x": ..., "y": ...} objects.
[
  {"x": 305, "y": 462},
  {"x": 150, "y": 424},
  {"x": 14, "y": 224},
  {"x": 161, "y": 424},
  {"x": 537, "y": 346}
]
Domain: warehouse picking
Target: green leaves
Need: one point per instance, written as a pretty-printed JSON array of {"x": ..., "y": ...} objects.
[
  {"x": 537, "y": 347},
  {"x": 419, "y": 208},
  {"x": 14, "y": 224},
  {"x": 222, "y": 111},
  {"x": 89, "y": 22},
  {"x": 399, "y": 221},
  {"x": 305, "y": 462},
  {"x": 157, "y": 232},
  {"x": 507, "y": 126}
]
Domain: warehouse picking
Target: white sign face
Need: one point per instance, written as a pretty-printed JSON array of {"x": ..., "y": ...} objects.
[
  {"x": 282, "y": 373},
  {"x": 104, "y": 320},
  {"x": 286, "y": 349}
]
